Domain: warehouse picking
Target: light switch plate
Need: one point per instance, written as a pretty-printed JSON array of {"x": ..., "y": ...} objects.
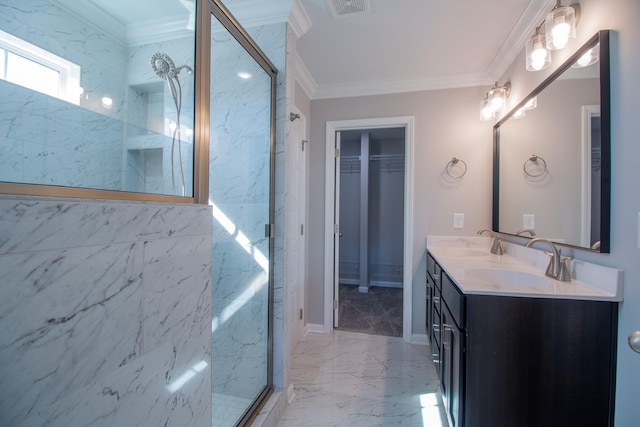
[
  {"x": 529, "y": 221},
  {"x": 458, "y": 220}
]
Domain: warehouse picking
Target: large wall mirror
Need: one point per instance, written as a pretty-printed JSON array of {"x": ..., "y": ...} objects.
[{"x": 552, "y": 155}]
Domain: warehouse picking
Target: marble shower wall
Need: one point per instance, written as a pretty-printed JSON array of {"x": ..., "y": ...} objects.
[{"x": 105, "y": 311}]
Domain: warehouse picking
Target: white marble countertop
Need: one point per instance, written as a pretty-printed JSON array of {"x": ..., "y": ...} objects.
[{"x": 520, "y": 271}]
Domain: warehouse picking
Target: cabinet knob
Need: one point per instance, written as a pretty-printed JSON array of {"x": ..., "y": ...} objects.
[{"x": 634, "y": 341}]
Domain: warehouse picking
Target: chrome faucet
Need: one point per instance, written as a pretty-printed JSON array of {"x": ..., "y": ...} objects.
[
  {"x": 525, "y": 230},
  {"x": 557, "y": 268},
  {"x": 496, "y": 247}
]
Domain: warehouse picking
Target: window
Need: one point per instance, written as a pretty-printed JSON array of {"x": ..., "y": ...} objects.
[{"x": 32, "y": 67}]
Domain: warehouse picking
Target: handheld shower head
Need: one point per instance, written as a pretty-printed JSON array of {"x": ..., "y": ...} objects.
[{"x": 163, "y": 65}]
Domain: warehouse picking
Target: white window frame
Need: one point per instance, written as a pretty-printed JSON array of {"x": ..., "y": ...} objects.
[{"x": 69, "y": 72}]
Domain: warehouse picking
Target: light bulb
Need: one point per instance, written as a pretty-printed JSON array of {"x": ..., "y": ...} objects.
[
  {"x": 486, "y": 112},
  {"x": 107, "y": 102},
  {"x": 531, "y": 103},
  {"x": 538, "y": 58},
  {"x": 585, "y": 59},
  {"x": 560, "y": 26},
  {"x": 497, "y": 103},
  {"x": 561, "y": 34}
]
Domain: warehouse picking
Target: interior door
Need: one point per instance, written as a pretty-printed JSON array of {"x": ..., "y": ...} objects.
[{"x": 336, "y": 234}]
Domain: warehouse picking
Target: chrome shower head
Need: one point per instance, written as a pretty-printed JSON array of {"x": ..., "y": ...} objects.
[{"x": 163, "y": 65}]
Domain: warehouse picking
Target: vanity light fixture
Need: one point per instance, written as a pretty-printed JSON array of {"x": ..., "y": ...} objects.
[
  {"x": 560, "y": 25},
  {"x": 538, "y": 57},
  {"x": 498, "y": 96},
  {"x": 589, "y": 58}
]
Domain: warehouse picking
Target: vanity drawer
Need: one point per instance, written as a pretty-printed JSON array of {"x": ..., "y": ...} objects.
[
  {"x": 434, "y": 270},
  {"x": 454, "y": 300}
]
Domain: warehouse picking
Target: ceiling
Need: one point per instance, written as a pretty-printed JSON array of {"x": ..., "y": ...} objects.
[
  {"x": 408, "y": 45},
  {"x": 398, "y": 46}
]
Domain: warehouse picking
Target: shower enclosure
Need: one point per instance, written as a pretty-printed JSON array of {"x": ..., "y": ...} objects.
[
  {"x": 101, "y": 95},
  {"x": 241, "y": 158}
]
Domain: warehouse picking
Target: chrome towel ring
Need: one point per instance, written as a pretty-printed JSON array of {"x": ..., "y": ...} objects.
[
  {"x": 535, "y": 160},
  {"x": 452, "y": 163}
]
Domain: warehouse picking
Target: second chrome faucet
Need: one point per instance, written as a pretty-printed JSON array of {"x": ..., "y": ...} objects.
[{"x": 496, "y": 246}]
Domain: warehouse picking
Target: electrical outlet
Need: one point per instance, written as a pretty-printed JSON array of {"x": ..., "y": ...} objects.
[
  {"x": 529, "y": 221},
  {"x": 458, "y": 220}
]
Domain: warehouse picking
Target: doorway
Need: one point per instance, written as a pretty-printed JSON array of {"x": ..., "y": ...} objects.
[
  {"x": 402, "y": 269},
  {"x": 371, "y": 218}
]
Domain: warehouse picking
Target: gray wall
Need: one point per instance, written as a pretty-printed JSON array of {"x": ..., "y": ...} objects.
[
  {"x": 446, "y": 125},
  {"x": 621, "y": 16}
]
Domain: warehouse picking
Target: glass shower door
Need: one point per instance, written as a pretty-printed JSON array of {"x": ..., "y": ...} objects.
[{"x": 240, "y": 191}]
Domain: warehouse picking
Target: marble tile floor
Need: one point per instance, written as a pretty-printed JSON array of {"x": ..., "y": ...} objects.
[
  {"x": 351, "y": 379},
  {"x": 377, "y": 312}
]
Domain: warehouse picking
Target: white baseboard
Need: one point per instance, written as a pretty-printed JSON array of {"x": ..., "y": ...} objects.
[
  {"x": 315, "y": 328},
  {"x": 420, "y": 339}
]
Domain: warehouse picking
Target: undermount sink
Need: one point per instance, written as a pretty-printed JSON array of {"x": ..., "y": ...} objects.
[
  {"x": 506, "y": 277},
  {"x": 463, "y": 252}
]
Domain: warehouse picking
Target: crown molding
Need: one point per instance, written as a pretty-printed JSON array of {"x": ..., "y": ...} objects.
[
  {"x": 96, "y": 17},
  {"x": 382, "y": 87},
  {"x": 259, "y": 12},
  {"x": 299, "y": 19},
  {"x": 304, "y": 78},
  {"x": 532, "y": 17},
  {"x": 158, "y": 31}
]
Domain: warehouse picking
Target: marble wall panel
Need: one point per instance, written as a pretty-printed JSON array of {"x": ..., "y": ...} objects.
[
  {"x": 36, "y": 224},
  {"x": 105, "y": 313},
  {"x": 69, "y": 317}
]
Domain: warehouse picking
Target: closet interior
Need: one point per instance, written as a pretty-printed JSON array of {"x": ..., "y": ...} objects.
[{"x": 372, "y": 164}]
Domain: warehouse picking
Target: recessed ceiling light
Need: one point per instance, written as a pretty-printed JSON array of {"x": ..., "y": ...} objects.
[{"x": 244, "y": 75}]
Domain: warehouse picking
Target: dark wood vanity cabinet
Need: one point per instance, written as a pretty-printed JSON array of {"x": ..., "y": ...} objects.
[
  {"x": 523, "y": 362},
  {"x": 446, "y": 337}
]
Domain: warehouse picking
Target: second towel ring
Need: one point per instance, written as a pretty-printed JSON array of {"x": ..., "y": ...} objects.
[
  {"x": 454, "y": 162},
  {"x": 534, "y": 159}
]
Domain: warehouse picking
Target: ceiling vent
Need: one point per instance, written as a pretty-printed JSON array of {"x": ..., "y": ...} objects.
[{"x": 345, "y": 8}]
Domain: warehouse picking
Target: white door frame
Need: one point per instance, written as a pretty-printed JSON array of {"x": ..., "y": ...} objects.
[
  {"x": 296, "y": 232},
  {"x": 331, "y": 128},
  {"x": 588, "y": 111}
]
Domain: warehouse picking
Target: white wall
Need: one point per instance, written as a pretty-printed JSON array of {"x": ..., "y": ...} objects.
[
  {"x": 622, "y": 17},
  {"x": 446, "y": 125}
]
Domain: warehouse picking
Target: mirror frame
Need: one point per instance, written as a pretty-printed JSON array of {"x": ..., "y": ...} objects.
[{"x": 602, "y": 37}]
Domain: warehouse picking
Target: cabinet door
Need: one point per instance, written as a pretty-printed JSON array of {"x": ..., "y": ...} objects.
[
  {"x": 436, "y": 335},
  {"x": 452, "y": 360},
  {"x": 429, "y": 306}
]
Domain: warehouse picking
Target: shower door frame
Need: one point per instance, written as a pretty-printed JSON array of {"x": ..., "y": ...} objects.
[{"x": 206, "y": 11}]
